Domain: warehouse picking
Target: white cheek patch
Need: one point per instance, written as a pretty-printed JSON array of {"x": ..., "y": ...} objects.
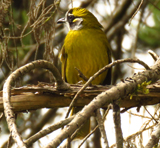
[
  {"x": 78, "y": 21},
  {"x": 77, "y": 24}
]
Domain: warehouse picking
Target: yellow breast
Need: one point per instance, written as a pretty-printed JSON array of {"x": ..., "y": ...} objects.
[{"x": 87, "y": 50}]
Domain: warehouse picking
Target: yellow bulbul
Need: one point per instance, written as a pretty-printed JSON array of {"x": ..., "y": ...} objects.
[{"x": 86, "y": 48}]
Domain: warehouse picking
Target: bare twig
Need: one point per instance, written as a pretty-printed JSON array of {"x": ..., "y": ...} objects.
[
  {"x": 69, "y": 139},
  {"x": 118, "y": 14},
  {"x": 142, "y": 116},
  {"x": 101, "y": 127},
  {"x": 150, "y": 114},
  {"x": 122, "y": 21},
  {"x": 153, "y": 54},
  {"x": 117, "y": 124},
  {"x": 88, "y": 136},
  {"x": 134, "y": 44},
  {"x": 80, "y": 74},
  {"x": 105, "y": 114},
  {"x": 135, "y": 134},
  {"x": 156, "y": 6},
  {"x": 48, "y": 130},
  {"x": 136, "y": 11}
]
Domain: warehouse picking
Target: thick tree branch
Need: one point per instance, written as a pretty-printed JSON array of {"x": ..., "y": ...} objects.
[{"x": 46, "y": 96}]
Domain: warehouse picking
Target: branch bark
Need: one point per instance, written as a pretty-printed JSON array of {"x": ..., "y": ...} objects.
[
  {"x": 117, "y": 125},
  {"x": 46, "y": 96}
]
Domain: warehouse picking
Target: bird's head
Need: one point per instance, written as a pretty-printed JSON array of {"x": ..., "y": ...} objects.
[{"x": 79, "y": 18}]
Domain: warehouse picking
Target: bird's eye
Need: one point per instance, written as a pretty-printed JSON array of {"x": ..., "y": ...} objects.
[{"x": 70, "y": 18}]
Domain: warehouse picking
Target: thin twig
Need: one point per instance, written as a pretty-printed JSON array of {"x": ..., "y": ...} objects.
[
  {"x": 105, "y": 114},
  {"x": 150, "y": 114},
  {"x": 48, "y": 130},
  {"x": 153, "y": 54},
  {"x": 142, "y": 116},
  {"x": 133, "y": 136},
  {"x": 136, "y": 11},
  {"x": 117, "y": 125},
  {"x": 80, "y": 74},
  {"x": 69, "y": 139},
  {"x": 134, "y": 44},
  {"x": 156, "y": 6},
  {"x": 101, "y": 127}
]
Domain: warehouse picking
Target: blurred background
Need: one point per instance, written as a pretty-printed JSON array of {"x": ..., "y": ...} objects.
[{"x": 28, "y": 31}]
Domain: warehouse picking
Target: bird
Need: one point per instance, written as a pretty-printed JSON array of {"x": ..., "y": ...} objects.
[{"x": 87, "y": 49}]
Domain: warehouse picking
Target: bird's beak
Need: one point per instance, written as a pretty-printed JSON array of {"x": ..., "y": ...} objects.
[{"x": 61, "y": 20}]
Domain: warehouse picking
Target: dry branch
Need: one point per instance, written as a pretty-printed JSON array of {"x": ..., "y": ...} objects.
[
  {"x": 35, "y": 97},
  {"x": 46, "y": 96}
]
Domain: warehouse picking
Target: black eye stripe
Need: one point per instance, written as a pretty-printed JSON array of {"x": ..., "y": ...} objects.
[{"x": 70, "y": 17}]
